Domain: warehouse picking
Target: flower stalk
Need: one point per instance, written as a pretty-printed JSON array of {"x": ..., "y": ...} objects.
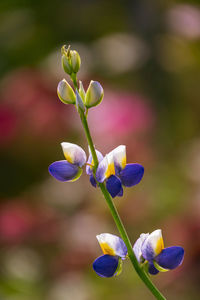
[{"x": 140, "y": 271}]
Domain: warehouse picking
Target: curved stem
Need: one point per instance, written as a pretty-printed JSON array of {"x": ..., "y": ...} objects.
[{"x": 145, "y": 278}]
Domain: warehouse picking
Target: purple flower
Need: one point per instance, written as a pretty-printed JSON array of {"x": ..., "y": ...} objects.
[
  {"x": 114, "y": 249},
  {"x": 117, "y": 173},
  {"x": 149, "y": 248},
  {"x": 71, "y": 168}
]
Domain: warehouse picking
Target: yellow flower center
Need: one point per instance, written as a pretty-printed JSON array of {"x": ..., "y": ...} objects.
[
  {"x": 107, "y": 249},
  {"x": 110, "y": 170},
  {"x": 159, "y": 246}
]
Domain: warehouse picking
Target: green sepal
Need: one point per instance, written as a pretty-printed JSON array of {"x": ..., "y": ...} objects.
[
  {"x": 119, "y": 268},
  {"x": 79, "y": 103},
  {"x": 80, "y": 171},
  {"x": 81, "y": 91},
  {"x": 159, "y": 268}
]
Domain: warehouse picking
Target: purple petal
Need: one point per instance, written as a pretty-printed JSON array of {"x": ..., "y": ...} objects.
[
  {"x": 106, "y": 265},
  {"x": 131, "y": 174},
  {"x": 93, "y": 181},
  {"x": 152, "y": 269},
  {"x": 120, "y": 194},
  {"x": 113, "y": 185},
  {"x": 170, "y": 257},
  {"x": 62, "y": 170}
]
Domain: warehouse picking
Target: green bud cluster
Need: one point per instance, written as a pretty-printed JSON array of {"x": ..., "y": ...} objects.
[
  {"x": 83, "y": 100},
  {"x": 71, "y": 60}
]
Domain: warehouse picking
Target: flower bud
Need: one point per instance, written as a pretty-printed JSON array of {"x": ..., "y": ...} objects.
[
  {"x": 75, "y": 61},
  {"x": 81, "y": 91},
  {"x": 66, "y": 93},
  {"x": 66, "y": 60},
  {"x": 71, "y": 60},
  {"x": 94, "y": 94},
  {"x": 66, "y": 64}
]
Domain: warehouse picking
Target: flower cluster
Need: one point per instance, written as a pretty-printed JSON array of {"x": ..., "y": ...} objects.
[
  {"x": 112, "y": 168},
  {"x": 149, "y": 251}
]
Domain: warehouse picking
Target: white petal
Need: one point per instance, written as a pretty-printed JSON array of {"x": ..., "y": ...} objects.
[
  {"x": 74, "y": 154},
  {"x": 153, "y": 245},
  {"x": 101, "y": 170},
  {"x": 119, "y": 155},
  {"x": 112, "y": 244},
  {"x": 106, "y": 167},
  {"x": 90, "y": 161},
  {"x": 138, "y": 245}
]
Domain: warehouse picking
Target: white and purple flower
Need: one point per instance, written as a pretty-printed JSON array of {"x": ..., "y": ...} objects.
[
  {"x": 71, "y": 168},
  {"x": 117, "y": 173},
  {"x": 114, "y": 250},
  {"x": 149, "y": 248}
]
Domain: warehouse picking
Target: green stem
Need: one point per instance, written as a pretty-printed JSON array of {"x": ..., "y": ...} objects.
[{"x": 145, "y": 278}]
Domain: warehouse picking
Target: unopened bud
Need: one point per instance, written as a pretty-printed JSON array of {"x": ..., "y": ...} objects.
[
  {"x": 66, "y": 93},
  {"x": 66, "y": 65},
  {"x": 75, "y": 61},
  {"x": 71, "y": 60},
  {"x": 94, "y": 94}
]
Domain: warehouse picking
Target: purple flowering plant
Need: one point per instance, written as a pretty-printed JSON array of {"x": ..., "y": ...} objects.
[{"x": 111, "y": 174}]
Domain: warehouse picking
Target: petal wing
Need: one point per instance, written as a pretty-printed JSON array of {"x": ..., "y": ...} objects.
[
  {"x": 90, "y": 161},
  {"x": 170, "y": 258},
  {"x": 106, "y": 167},
  {"x": 106, "y": 265},
  {"x": 113, "y": 185},
  {"x": 101, "y": 170},
  {"x": 131, "y": 174},
  {"x": 137, "y": 247},
  {"x": 74, "y": 154},
  {"x": 62, "y": 170},
  {"x": 119, "y": 155},
  {"x": 153, "y": 245},
  {"x": 112, "y": 245}
]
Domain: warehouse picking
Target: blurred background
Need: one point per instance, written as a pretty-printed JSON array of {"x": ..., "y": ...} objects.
[{"x": 146, "y": 54}]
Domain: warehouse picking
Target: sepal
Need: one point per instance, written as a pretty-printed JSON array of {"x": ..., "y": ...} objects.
[
  {"x": 79, "y": 103},
  {"x": 81, "y": 91}
]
